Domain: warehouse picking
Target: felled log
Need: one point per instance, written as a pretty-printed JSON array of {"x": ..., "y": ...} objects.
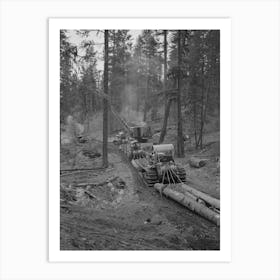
[
  {"x": 91, "y": 154},
  {"x": 207, "y": 198},
  {"x": 81, "y": 169},
  {"x": 83, "y": 185},
  {"x": 189, "y": 202},
  {"x": 70, "y": 173},
  {"x": 196, "y": 162}
]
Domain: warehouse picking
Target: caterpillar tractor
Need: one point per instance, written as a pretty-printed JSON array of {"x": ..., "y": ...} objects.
[
  {"x": 160, "y": 167},
  {"x": 136, "y": 151},
  {"x": 134, "y": 140}
]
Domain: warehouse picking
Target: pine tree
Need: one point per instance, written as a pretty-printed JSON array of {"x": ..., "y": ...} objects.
[{"x": 105, "y": 101}]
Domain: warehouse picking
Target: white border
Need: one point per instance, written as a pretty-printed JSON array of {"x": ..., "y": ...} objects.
[{"x": 55, "y": 255}]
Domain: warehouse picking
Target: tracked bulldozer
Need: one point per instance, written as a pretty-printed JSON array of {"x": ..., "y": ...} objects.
[
  {"x": 136, "y": 151},
  {"x": 160, "y": 166}
]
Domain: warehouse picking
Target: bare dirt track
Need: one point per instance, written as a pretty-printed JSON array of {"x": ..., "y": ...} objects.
[{"x": 127, "y": 216}]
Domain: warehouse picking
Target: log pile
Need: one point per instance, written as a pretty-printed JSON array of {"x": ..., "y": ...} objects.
[
  {"x": 203, "y": 196},
  {"x": 198, "y": 202}
]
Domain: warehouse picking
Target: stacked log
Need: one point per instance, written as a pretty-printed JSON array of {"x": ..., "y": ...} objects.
[
  {"x": 207, "y": 198},
  {"x": 189, "y": 201}
]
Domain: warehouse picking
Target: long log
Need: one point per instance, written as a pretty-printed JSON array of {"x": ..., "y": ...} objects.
[
  {"x": 196, "y": 162},
  {"x": 83, "y": 169},
  {"x": 83, "y": 185},
  {"x": 207, "y": 198},
  {"x": 190, "y": 203}
]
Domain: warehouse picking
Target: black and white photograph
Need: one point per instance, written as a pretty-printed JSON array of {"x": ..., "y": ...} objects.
[{"x": 139, "y": 139}]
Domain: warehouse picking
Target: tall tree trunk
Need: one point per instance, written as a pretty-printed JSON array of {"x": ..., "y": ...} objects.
[
  {"x": 90, "y": 110},
  {"x": 94, "y": 97},
  {"x": 105, "y": 103},
  {"x": 203, "y": 114},
  {"x": 147, "y": 92},
  {"x": 137, "y": 95},
  {"x": 165, "y": 120},
  {"x": 201, "y": 110},
  {"x": 165, "y": 61},
  {"x": 180, "y": 141},
  {"x": 194, "y": 124},
  {"x": 167, "y": 102},
  {"x": 111, "y": 119}
]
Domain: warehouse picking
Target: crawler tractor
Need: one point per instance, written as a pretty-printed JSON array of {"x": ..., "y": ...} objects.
[
  {"x": 136, "y": 151},
  {"x": 160, "y": 166}
]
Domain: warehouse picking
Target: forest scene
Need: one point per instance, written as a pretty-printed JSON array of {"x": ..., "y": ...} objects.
[{"x": 140, "y": 139}]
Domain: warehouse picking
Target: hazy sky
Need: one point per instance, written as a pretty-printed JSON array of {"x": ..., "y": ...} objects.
[{"x": 99, "y": 42}]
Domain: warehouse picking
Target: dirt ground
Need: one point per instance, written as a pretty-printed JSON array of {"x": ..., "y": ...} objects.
[{"x": 114, "y": 210}]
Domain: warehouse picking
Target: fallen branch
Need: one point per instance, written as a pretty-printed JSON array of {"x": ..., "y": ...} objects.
[{"x": 90, "y": 194}]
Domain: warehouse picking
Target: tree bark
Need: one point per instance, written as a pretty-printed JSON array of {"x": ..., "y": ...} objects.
[
  {"x": 207, "y": 198},
  {"x": 105, "y": 102},
  {"x": 147, "y": 92},
  {"x": 194, "y": 123},
  {"x": 165, "y": 63},
  {"x": 167, "y": 101},
  {"x": 189, "y": 202},
  {"x": 165, "y": 120},
  {"x": 203, "y": 116},
  {"x": 180, "y": 141}
]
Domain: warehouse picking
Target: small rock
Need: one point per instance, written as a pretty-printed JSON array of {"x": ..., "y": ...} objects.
[
  {"x": 110, "y": 185},
  {"x": 156, "y": 220}
]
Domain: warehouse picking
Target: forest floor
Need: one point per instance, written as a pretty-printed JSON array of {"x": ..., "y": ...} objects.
[{"x": 124, "y": 214}]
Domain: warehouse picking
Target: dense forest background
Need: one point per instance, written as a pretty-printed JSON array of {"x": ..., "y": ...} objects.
[{"x": 163, "y": 76}]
